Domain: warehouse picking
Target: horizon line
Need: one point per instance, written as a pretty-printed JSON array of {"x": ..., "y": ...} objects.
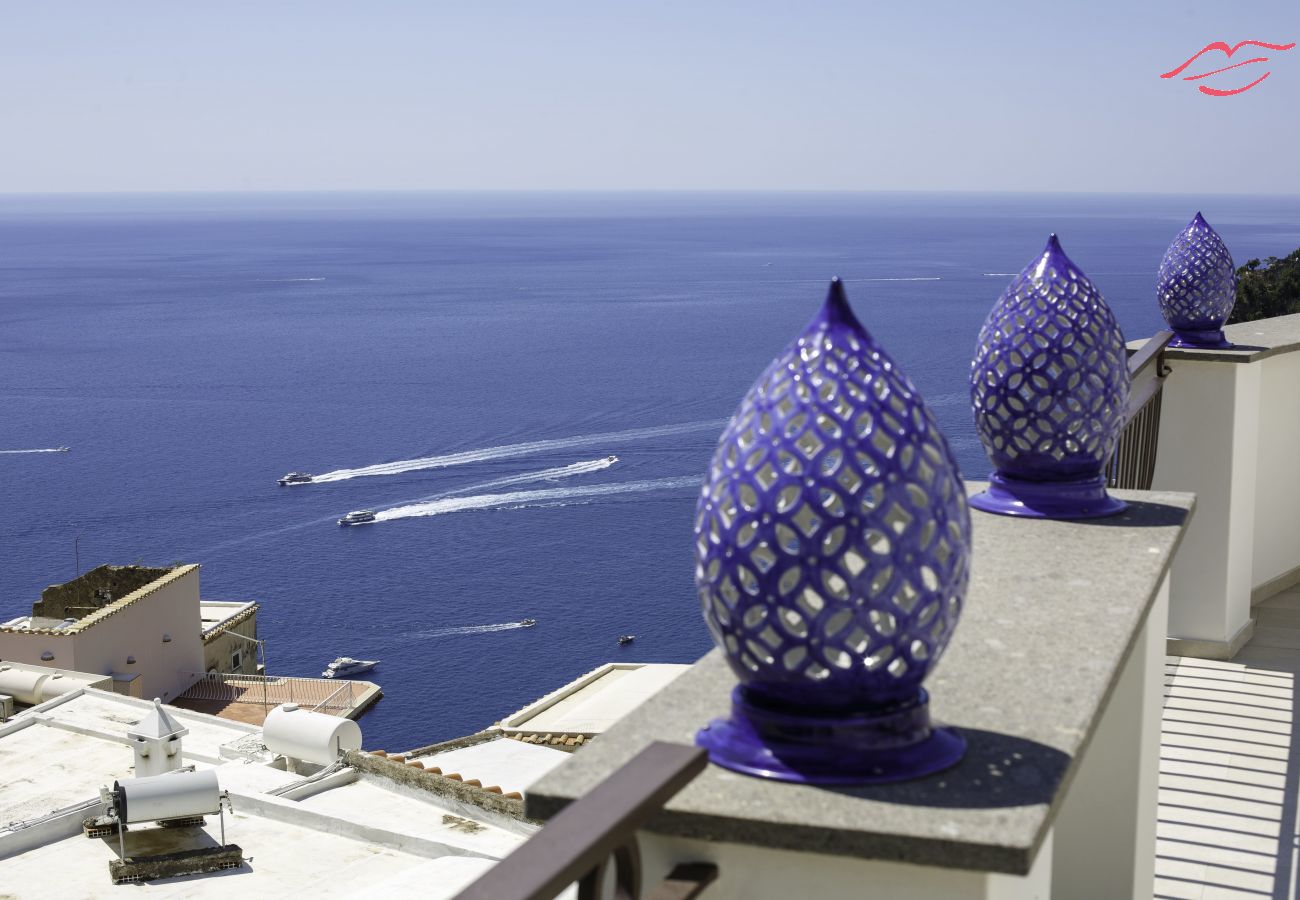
[{"x": 603, "y": 191}]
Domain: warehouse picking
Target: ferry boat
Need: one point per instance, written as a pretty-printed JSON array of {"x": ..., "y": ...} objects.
[
  {"x": 346, "y": 666},
  {"x": 358, "y": 517},
  {"x": 295, "y": 478}
]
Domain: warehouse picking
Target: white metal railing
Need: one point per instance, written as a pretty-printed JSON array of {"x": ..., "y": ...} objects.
[{"x": 340, "y": 699}]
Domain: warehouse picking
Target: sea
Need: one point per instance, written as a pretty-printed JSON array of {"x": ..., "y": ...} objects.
[{"x": 465, "y": 365}]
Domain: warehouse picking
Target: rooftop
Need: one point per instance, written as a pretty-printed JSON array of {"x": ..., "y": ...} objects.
[
  {"x": 288, "y": 859},
  {"x": 430, "y": 820},
  {"x": 590, "y": 704},
  {"x": 76, "y": 605},
  {"x": 336, "y": 833},
  {"x": 510, "y": 765},
  {"x": 249, "y": 698},
  {"x": 218, "y": 615}
]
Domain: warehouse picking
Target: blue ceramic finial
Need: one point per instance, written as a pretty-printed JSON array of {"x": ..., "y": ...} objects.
[
  {"x": 1197, "y": 287},
  {"x": 1049, "y": 387},
  {"x": 832, "y": 540}
]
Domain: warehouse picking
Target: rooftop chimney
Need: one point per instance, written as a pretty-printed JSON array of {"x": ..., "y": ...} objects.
[{"x": 157, "y": 742}]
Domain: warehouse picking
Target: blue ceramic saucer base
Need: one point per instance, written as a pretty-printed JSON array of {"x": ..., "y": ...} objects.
[
  {"x": 1082, "y": 498},
  {"x": 894, "y": 744},
  {"x": 1211, "y": 339}
]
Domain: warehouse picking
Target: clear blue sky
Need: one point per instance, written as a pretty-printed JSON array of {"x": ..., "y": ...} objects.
[{"x": 290, "y": 95}]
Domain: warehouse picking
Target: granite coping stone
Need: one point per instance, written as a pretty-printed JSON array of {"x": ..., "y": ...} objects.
[
  {"x": 1053, "y": 612},
  {"x": 1254, "y": 341}
]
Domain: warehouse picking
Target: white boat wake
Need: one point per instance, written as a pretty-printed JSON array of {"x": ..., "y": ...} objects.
[
  {"x": 465, "y": 629},
  {"x": 39, "y": 450},
  {"x": 555, "y": 474},
  {"x": 544, "y": 497},
  {"x": 510, "y": 451}
]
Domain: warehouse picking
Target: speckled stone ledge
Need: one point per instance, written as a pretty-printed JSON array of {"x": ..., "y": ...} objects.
[
  {"x": 1052, "y": 615},
  {"x": 1254, "y": 341}
]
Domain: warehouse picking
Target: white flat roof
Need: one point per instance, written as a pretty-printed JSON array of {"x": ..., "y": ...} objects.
[
  {"x": 344, "y": 835},
  {"x": 375, "y": 803},
  {"x": 111, "y": 716},
  {"x": 61, "y": 752},
  {"x": 214, "y": 612},
  {"x": 592, "y": 703},
  {"x": 288, "y": 860},
  {"x": 510, "y": 765}
]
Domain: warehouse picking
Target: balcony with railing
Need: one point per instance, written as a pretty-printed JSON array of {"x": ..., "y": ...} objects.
[
  {"x": 249, "y": 698},
  {"x": 1094, "y": 765}
]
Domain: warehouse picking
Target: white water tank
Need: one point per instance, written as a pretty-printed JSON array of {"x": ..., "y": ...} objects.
[
  {"x": 23, "y": 685},
  {"x": 177, "y": 796},
  {"x": 58, "y": 684},
  {"x": 309, "y": 736}
]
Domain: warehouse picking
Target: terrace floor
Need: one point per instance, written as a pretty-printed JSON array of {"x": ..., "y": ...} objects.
[
  {"x": 249, "y": 700},
  {"x": 1230, "y": 767}
]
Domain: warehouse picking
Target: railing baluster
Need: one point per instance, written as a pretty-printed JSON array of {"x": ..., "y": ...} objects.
[{"x": 1134, "y": 461}]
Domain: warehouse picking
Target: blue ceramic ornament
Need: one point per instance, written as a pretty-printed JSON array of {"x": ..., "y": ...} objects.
[
  {"x": 832, "y": 543},
  {"x": 1049, "y": 390},
  {"x": 1197, "y": 287}
]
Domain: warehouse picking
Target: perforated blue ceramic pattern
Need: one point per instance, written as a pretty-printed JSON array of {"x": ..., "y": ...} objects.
[
  {"x": 1049, "y": 388},
  {"x": 1197, "y": 286},
  {"x": 832, "y": 546}
]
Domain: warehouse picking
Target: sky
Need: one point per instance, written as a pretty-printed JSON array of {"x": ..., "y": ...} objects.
[{"x": 323, "y": 95}]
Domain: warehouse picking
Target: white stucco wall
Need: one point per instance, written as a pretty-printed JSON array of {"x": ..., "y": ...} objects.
[
  {"x": 1209, "y": 436},
  {"x": 1277, "y": 498},
  {"x": 133, "y": 626},
  {"x": 1230, "y": 432}
]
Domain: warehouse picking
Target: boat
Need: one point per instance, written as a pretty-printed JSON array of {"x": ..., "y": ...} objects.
[
  {"x": 295, "y": 478},
  {"x": 528, "y": 623},
  {"x": 611, "y": 458},
  {"x": 626, "y": 638},
  {"x": 358, "y": 517},
  {"x": 346, "y": 666},
  {"x": 62, "y": 449}
]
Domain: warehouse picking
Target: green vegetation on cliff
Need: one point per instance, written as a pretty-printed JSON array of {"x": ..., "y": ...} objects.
[{"x": 1267, "y": 289}]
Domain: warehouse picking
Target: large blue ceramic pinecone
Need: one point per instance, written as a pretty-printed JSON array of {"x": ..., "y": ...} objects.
[
  {"x": 1049, "y": 383},
  {"x": 1197, "y": 285},
  {"x": 832, "y": 533}
]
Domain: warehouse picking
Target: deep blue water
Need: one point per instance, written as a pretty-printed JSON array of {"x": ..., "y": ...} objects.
[{"x": 192, "y": 349}]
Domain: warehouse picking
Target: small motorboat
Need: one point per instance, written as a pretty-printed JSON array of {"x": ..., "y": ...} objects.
[
  {"x": 528, "y": 623},
  {"x": 346, "y": 666},
  {"x": 295, "y": 478},
  {"x": 626, "y": 638},
  {"x": 358, "y": 517},
  {"x": 611, "y": 458},
  {"x": 62, "y": 449}
]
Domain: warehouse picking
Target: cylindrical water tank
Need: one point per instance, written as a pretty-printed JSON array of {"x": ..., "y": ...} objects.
[
  {"x": 310, "y": 736},
  {"x": 177, "y": 796},
  {"x": 23, "y": 685},
  {"x": 58, "y": 684}
]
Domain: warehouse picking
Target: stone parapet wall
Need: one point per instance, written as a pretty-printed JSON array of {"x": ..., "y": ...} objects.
[{"x": 79, "y": 597}]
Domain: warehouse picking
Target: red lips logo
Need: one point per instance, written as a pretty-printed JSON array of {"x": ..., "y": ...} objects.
[{"x": 1228, "y": 51}]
